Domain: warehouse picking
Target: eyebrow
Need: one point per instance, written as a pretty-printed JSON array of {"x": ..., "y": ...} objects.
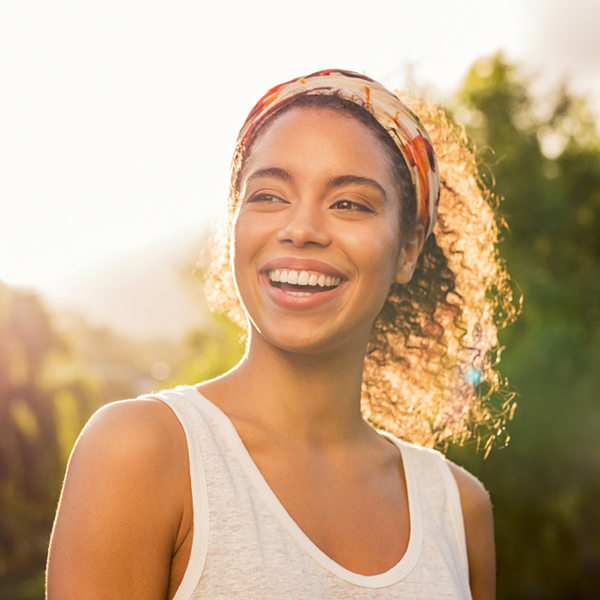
[
  {"x": 272, "y": 173},
  {"x": 344, "y": 180},
  {"x": 334, "y": 182}
]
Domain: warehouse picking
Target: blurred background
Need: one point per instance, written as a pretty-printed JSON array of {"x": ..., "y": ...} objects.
[{"x": 117, "y": 123}]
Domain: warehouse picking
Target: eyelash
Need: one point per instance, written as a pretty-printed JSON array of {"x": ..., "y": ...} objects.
[
  {"x": 351, "y": 206},
  {"x": 266, "y": 198}
]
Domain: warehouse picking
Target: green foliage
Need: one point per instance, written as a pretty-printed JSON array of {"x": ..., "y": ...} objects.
[
  {"x": 210, "y": 352},
  {"x": 35, "y": 431},
  {"x": 546, "y": 484}
]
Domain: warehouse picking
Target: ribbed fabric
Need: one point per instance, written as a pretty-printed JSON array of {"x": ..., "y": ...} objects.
[{"x": 246, "y": 546}]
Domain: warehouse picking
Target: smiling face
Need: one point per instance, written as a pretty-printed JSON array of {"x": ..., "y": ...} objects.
[{"x": 317, "y": 240}]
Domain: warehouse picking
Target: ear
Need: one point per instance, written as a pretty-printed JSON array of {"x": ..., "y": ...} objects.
[{"x": 409, "y": 254}]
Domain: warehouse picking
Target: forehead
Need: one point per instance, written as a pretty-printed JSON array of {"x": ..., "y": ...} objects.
[{"x": 319, "y": 139}]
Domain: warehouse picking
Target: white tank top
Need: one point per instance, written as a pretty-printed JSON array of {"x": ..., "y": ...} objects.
[{"x": 246, "y": 546}]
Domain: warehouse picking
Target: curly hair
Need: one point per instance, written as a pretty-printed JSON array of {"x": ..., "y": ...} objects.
[{"x": 429, "y": 372}]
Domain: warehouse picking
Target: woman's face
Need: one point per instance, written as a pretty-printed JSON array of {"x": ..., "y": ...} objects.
[{"x": 317, "y": 240}]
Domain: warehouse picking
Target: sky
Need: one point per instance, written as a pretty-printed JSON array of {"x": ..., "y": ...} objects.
[{"x": 118, "y": 118}]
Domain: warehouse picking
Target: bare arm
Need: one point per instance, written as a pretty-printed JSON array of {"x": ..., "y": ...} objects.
[
  {"x": 121, "y": 513},
  {"x": 479, "y": 531}
]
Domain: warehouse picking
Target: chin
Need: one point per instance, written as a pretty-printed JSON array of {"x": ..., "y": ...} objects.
[{"x": 313, "y": 340}]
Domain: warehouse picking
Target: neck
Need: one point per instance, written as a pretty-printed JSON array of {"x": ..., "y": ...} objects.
[{"x": 314, "y": 398}]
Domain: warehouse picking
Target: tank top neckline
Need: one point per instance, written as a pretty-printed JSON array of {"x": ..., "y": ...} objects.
[{"x": 400, "y": 570}]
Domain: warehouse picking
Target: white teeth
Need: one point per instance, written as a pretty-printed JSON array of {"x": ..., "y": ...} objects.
[
  {"x": 303, "y": 278},
  {"x": 299, "y": 294}
]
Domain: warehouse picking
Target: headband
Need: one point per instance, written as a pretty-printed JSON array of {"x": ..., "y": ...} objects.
[{"x": 403, "y": 126}]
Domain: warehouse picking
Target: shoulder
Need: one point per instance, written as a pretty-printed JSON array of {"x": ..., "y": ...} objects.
[
  {"x": 128, "y": 470},
  {"x": 144, "y": 431},
  {"x": 132, "y": 447},
  {"x": 474, "y": 498},
  {"x": 479, "y": 532},
  {"x": 135, "y": 420}
]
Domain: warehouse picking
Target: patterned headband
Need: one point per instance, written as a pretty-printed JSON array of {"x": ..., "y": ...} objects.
[{"x": 403, "y": 126}]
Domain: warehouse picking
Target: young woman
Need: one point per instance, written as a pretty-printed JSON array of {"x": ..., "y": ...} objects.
[{"x": 367, "y": 307}]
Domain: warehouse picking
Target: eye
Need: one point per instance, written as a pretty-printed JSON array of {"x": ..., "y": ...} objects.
[
  {"x": 268, "y": 198},
  {"x": 350, "y": 205}
]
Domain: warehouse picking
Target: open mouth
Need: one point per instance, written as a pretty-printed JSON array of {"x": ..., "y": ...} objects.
[{"x": 302, "y": 283}]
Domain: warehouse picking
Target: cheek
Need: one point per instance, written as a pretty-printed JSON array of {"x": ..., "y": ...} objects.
[
  {"x": 248, "y": 238},
  {"x": 239, "y": 251},
  {"x": 242, "y": 235},
  {"x": 384, "y": 247},
  {"x": 387, "y": 272},
  {"x": 384, "y": 258}
]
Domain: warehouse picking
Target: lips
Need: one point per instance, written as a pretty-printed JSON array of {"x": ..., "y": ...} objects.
[{"x": 300, "y": 283}]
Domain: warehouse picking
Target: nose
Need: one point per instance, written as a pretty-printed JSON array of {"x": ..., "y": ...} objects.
[{"x": 304, "y": 225}]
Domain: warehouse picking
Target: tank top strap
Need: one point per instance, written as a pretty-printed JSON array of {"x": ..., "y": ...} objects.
[
  {"x": 183, "y": 401},
  {"x": 438, "y": 491}
]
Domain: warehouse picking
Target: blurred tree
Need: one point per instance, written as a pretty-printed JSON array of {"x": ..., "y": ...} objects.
[
  {"x": 210, "y": 352},
  {"x": 38, "y": 425},
  {"x": 546, "y": 484},
  {"x": 219, "y": 345},
  {"x": 122, "y": 366},
  {"x": 55, "y": 371}
]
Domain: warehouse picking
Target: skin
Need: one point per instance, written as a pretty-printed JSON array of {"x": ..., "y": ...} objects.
[{"x": 317, "y": 186}]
